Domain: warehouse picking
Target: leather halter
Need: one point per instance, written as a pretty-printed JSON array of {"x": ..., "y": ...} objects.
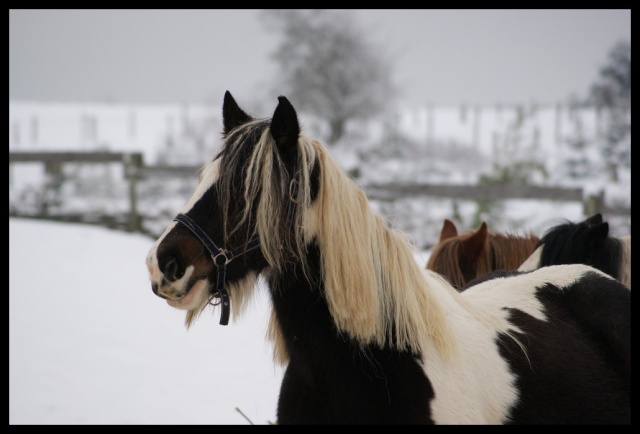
[{"x": 221, "y": 257}]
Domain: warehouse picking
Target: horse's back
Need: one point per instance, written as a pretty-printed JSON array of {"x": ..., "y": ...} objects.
[
  {"x": 602, "y": 307},
  {"x": 574, "y": 323}
]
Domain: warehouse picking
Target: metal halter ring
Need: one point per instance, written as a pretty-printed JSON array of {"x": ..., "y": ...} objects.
[
  {"x": 223, "y": 254},
  {"x": 211, "y": 297}
]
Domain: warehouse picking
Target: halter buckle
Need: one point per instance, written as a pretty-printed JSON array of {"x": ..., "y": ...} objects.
[{"x": 222, "y": 253}]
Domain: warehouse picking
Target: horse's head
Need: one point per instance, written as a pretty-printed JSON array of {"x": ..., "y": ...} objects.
[
  {"x": 586, "y": 242},
  {"x": 463, "y": 257},
  {"x": 569, "y": 243},
  {"x": 241, "y": 218},
  {"x": 455, "y": 256}
]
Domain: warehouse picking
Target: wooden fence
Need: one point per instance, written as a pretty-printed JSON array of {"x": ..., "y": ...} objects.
[{"x": 135, "y": 170}]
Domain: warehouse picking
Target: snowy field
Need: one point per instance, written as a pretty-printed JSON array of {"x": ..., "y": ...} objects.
[{"x": 90, "y": 344}]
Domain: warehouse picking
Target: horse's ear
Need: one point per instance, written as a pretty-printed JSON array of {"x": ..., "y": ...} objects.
[
  {"x": 473, "y": 246},
  {"x": 598, "y": 234},
  {"x": 595, "y": 219},
  {"x": 285, "y": 130},
  {"x": 448, "y": 230},
  {"x": 232, "y": 115}
]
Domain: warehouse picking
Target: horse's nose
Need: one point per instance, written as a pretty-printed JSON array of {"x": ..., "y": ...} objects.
[{"x": 155, "y": 288}]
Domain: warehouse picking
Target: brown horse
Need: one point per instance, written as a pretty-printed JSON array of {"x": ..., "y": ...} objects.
[{"x": 463, "y": 257}]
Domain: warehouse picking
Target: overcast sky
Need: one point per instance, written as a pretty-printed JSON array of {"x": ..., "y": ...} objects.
[{"x": 441, "y": 56}]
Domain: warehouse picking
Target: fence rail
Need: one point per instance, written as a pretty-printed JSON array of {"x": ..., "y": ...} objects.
[
  {"x": 486, "y": 192},
  {"x": 73, "y": 157},
  {"x": 135, "y": 170}
]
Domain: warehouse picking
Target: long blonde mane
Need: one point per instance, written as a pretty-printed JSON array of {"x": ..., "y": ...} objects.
[
  {"x": 375, "y": 290},
  {"x": 371, "y": 278}
]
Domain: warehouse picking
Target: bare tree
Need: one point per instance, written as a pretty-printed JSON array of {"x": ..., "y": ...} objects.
[
  {"x": 613, "y": 86},
  {"x": 612, "y": 91},
  {"x": 328, "y": 68}
]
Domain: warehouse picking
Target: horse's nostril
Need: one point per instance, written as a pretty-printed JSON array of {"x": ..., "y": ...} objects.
[{"x": 172, "y": 270}]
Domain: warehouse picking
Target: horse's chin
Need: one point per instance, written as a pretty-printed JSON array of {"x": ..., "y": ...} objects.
[{"x": 195, "y": 298}]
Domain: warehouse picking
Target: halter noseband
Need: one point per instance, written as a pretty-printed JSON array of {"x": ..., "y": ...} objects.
[{"x": 222, "y": 257}]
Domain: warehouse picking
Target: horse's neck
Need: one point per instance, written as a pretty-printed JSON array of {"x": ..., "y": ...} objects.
[
  {"x": 302, "y": 318},
  {"x": 299, "y": 305}
]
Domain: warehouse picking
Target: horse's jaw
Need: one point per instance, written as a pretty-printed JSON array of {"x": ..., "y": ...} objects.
[
  {"x": 194, "y": 298},
  {"x": 186, "y": 293}
]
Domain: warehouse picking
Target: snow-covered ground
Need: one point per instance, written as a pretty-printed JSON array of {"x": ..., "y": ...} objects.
[{"x": 89, "y": 343}]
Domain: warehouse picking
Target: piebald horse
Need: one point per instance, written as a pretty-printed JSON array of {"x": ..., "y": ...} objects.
[{"x": 367, "y": 335}]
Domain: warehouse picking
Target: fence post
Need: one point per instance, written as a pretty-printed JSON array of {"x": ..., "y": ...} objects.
[
  {"x": 476, "y": 128},
  {"x": 132, "y": 162},
  {"x": 594, "y": 204},
  {"x": 54, "y": 176}
]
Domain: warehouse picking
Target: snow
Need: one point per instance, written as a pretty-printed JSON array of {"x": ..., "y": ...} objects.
[{"x": 89, "y": 343}]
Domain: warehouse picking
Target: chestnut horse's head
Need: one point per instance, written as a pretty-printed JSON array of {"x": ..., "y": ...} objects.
[{"x": 461, "y": 258}]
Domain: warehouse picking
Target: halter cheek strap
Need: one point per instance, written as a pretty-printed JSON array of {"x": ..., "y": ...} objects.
[{"x": 222, "y": 257}]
